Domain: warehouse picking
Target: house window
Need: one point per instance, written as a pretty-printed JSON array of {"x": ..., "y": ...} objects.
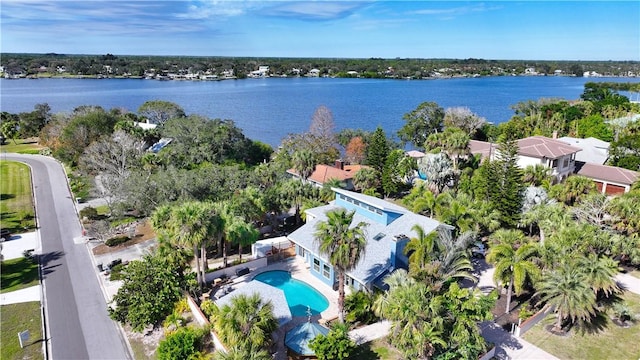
[
  {"x": 349, "y": 281},
  {"x": 301, "y": 251},
  {"x": 554, "y": 164},
  {"x": 316, "y": 265},
  {"x": 326, "y": 271},
  {"x": 566, "y": 162}
]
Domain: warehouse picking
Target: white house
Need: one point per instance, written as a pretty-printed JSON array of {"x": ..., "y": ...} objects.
[{"x": 536, "y": 150}]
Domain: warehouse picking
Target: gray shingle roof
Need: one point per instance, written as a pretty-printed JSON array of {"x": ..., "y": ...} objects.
[{"x": 376, "y": 257}]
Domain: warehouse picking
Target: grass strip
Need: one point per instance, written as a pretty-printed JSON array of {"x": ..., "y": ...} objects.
[
  {"x": 22, "y": 146},
  {"x": 17, "y": 318},
  {"x": 16, "y": 206},
  {"x": 18, "y": 274},
  {"x": 612, "y": 342}
]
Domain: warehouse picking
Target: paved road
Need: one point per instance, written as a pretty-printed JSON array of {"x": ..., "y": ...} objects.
[{"x": 78, "y": 323}]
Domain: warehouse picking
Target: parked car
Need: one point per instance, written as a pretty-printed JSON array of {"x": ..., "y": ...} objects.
[{"x": 5, "y": 235}]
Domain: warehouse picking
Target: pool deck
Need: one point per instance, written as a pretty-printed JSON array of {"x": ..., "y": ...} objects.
[{"x": 299, "y": 270}]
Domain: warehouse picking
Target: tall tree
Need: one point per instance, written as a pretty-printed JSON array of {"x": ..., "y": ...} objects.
[
  {"x": 342, "y": 244},
  {"x": 464, "y": 119},
  {"x": 322, "y": 128},
  {"x": 304, "y": 163},
  {"x": 438, "y": 170},
  {"x": 356, "y": 150},
  {"x": 512, "y": 257},
  {"x": 567, "y": 289},
  {"x": 158, "y": 112},
  {"x": 426, "y": 119},
  {"x": 378, "y": 150},
  {"x": 507, "y": 191}
]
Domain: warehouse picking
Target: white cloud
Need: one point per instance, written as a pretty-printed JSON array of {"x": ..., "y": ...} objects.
[{"x": 454, "y": 11}]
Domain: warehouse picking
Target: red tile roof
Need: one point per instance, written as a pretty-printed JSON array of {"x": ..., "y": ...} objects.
[
  {"x": 481, "y": 147},
  {"x": 544, "y": 147},
  {"x": 607, "y": 173},
  {"x": 324, "y": 173}
]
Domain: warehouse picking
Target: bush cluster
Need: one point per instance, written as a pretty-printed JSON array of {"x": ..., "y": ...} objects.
[{"x": 117, "y": 240}]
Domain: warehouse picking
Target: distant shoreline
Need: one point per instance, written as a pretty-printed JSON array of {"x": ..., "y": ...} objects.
[{"x": 103, "y": 77}]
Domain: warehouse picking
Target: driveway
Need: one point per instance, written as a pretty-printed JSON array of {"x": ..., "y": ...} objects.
[{"x": 78, "y": 324}]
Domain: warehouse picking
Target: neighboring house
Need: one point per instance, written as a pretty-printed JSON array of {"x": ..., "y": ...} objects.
[
  {"x": 388, "y": 232},
  {"x": 552, "y": 153},
  {"x": 610, "y": 180},
  {"x": 593, "y": 150},
  {"x": 313, "y": 73},
  {"x": 324, "y": 173}
]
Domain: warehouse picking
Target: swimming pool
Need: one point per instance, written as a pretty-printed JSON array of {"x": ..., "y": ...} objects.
[{"x": 300, "y": 296}]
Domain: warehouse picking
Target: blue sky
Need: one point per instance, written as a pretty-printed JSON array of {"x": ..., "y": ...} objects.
[{"x": 543, "y": 30}]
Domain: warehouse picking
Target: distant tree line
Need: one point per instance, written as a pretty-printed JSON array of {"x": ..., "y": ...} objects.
[{"x": 126, "y": 65}]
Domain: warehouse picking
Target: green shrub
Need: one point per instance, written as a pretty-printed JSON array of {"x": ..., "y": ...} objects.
[
  {"x": 117, "y": 240},
  {"x": 359, "y": 308},
  {"x": 89, "y": 212},
  {"x": 185, "y": 343},
  {"x": 336, "y": 345},
  {"x": 116, "y": 272}
]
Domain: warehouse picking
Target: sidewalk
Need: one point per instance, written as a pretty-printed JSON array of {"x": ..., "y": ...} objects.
[
  {"x": 371, "y": 332},
  {"x": 630, "y": 282},
  {"x": 19, "y": 296},
  {"x": 509, "y": 346}
]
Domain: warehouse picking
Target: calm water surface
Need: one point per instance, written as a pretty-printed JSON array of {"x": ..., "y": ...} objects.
[{"x": 269, "y": 109}]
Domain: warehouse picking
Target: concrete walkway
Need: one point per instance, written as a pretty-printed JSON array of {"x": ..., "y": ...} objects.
[
  {"x": 509, "y": 346},
  {"x": 13, "y": 248},
  {"x": 630, "y": 282},
  {"x": 29, "y": 294},
  {"x": 371, "y": 332}
]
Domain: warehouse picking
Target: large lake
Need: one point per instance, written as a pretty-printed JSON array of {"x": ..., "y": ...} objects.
[{"x": 269, "y": 109}]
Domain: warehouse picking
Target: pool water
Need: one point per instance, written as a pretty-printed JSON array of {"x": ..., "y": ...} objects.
[{"x": 300, "y": 296}]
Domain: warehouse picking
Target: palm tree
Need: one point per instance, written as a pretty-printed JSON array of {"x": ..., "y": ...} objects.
[
  {"x": 366, "y": 178},
  {"x": 425, "y": 202},
  {"x": 600, "y": 272},
  {"x": 342, "y": 244},
  {"x": 237, "y": 353},
  {"x": 573, "y": 189},
  {"x": 547, "y": 217},
  {"x": 186, "y": 225},
  {"x": 567, "y": 290},
  {"x": 421, "y": 248},
  {"x": 304, "y": 162},
  {"x": 536, "y": 175},
  {"x": 247, "y": 322},
  {"x": 512, "y": 260},
  {"x": 416, "y": 328}
]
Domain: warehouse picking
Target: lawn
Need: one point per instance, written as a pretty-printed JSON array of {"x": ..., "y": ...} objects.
[
  {"x": 613, "y": 342},
  {"x": 15, "y": 192},
  {"x": 376, "y": 350},
  {"x": 22, "y": 146},
  {"x": 18, "y": 274},
  {"x": 17, "y": 318}
]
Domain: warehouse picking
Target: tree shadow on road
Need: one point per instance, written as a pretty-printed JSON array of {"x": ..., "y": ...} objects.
[{"x": 46, "y": 259}]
